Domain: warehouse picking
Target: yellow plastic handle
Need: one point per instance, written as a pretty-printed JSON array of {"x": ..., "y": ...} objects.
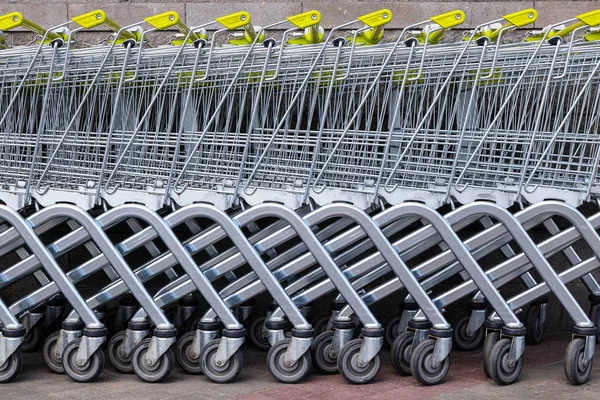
[
  {"x": 450, "y": 19},
  {"x": 518, "y": 19},
  {"x": 591, "y": 18},
  {"x": 309, "y": 22},
  {"x": 16, "y": 19},
  {"x": 235, "y": 20},
  {"x": 522, "y": 18},
  {"x": 306, "y": 20},
  {"x": 98, "y": 17},
  {"x": 377, "y": 18},
  {"x": 168, "y": 20}
]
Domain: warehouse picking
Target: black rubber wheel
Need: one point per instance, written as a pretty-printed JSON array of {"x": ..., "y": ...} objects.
[
  {"x": 11, "y": 368},
  {"x": 490, "y": 340},
  {"x": 401, "y": 353},
  {"x": 497, "y": 364},
  {"x": 349, "y": 368},
  {"x": 595, "y": 317},
  {"x": 535, "y": 327},
  {"x": 390, "y": 325},
  {"x": 121, "y": 362},
  {"x": 461, "y": 339},
  {"x": 575, "y": 370},
  {"x": 32, "y": 339},
  {"x": 156, "y": 373},
  {"x": 186, "y": 361},
  {"x": 220, "y": 374},
  {"x": 86, "y": 372},
  {"x": 287, "y": 373},
  {"x": 54, "y": 363},
  {"x": 421, "y": 364},
  {"x": 257, "y": 336},
  {"x": 319, "y": 323},
  {"x": 321, "y": 359}
]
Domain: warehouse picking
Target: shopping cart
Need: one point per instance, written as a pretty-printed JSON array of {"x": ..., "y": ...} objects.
[{"x": 396, "y": 129}]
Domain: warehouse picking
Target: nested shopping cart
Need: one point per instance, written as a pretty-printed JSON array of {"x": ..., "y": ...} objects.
[{"x": 314, "y": 119}]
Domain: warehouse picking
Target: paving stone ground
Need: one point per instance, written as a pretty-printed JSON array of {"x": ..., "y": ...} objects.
[{"x": 543, "y": 378}]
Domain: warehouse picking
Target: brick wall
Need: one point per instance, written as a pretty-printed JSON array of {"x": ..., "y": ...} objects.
[{"x": 53, "y": 12}]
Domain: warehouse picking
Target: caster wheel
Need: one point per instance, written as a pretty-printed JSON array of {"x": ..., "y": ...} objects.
[
  {"x": 401, "y": 352},
  {"x": 421, "y": 364},
  {"x": 319, "y": 323},
  {"x": 390, "y": 325},
  {"x": 287, "y": 373},
  {"x": 32, "y": 340},
  {"x": 499, "y": 368},
  {"x": 87, "y": 372},
  {"x": 576, "y": 371},
  {"x": 186, "y": 361},
  {"x": 224, "y": 373},
  {"x": 151, "y": 373},
  {"x": 320, "y": 354},
  {"x": 52, "y": 361},
  {"x": 11, "y": 368},
  {"x": 489, "y": 342},
  {"x": 349, "y": 368},
  {"x": 535, "y": 327},
  {"x": 118, "y": 360},
  {"x": 257, "y": 334},
  {"x": 595, "y": 317},
  {"x": 463, "y": 340}
]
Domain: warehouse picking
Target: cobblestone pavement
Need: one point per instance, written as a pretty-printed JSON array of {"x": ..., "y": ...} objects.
[{"x": 543, "y": 378}]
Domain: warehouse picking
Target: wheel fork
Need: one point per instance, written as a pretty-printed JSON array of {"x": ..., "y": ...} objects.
[
  {"x": 8, "y": 345},
  {"x": 87, "y": 347},
  {"x": 340, "y": 338},
  {"x": 296, "y": 349},
  {"x": 157, "y": 347},
  {"x": 368, "y": 350}
]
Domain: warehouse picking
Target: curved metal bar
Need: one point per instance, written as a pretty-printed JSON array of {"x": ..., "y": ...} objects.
[
  {"x": 51, "y": 267},
  {"x": 444, "y": 229},
  {"x": 61, "y": 246},
  {"x": 588, "y": 234},
  {"x": 96, "y": 233},
  {"x": 535, "y": 256},
  {"x": 465, "y": 258},
  {"x": 444, "y": 265},
  {"x": 302, "y": 228},
  {"x": 128, "y": 276},
  {"x": 229, "y": 229},
  {"x": 248, "y": 283},
  {"x": 506, "y": 271}
]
